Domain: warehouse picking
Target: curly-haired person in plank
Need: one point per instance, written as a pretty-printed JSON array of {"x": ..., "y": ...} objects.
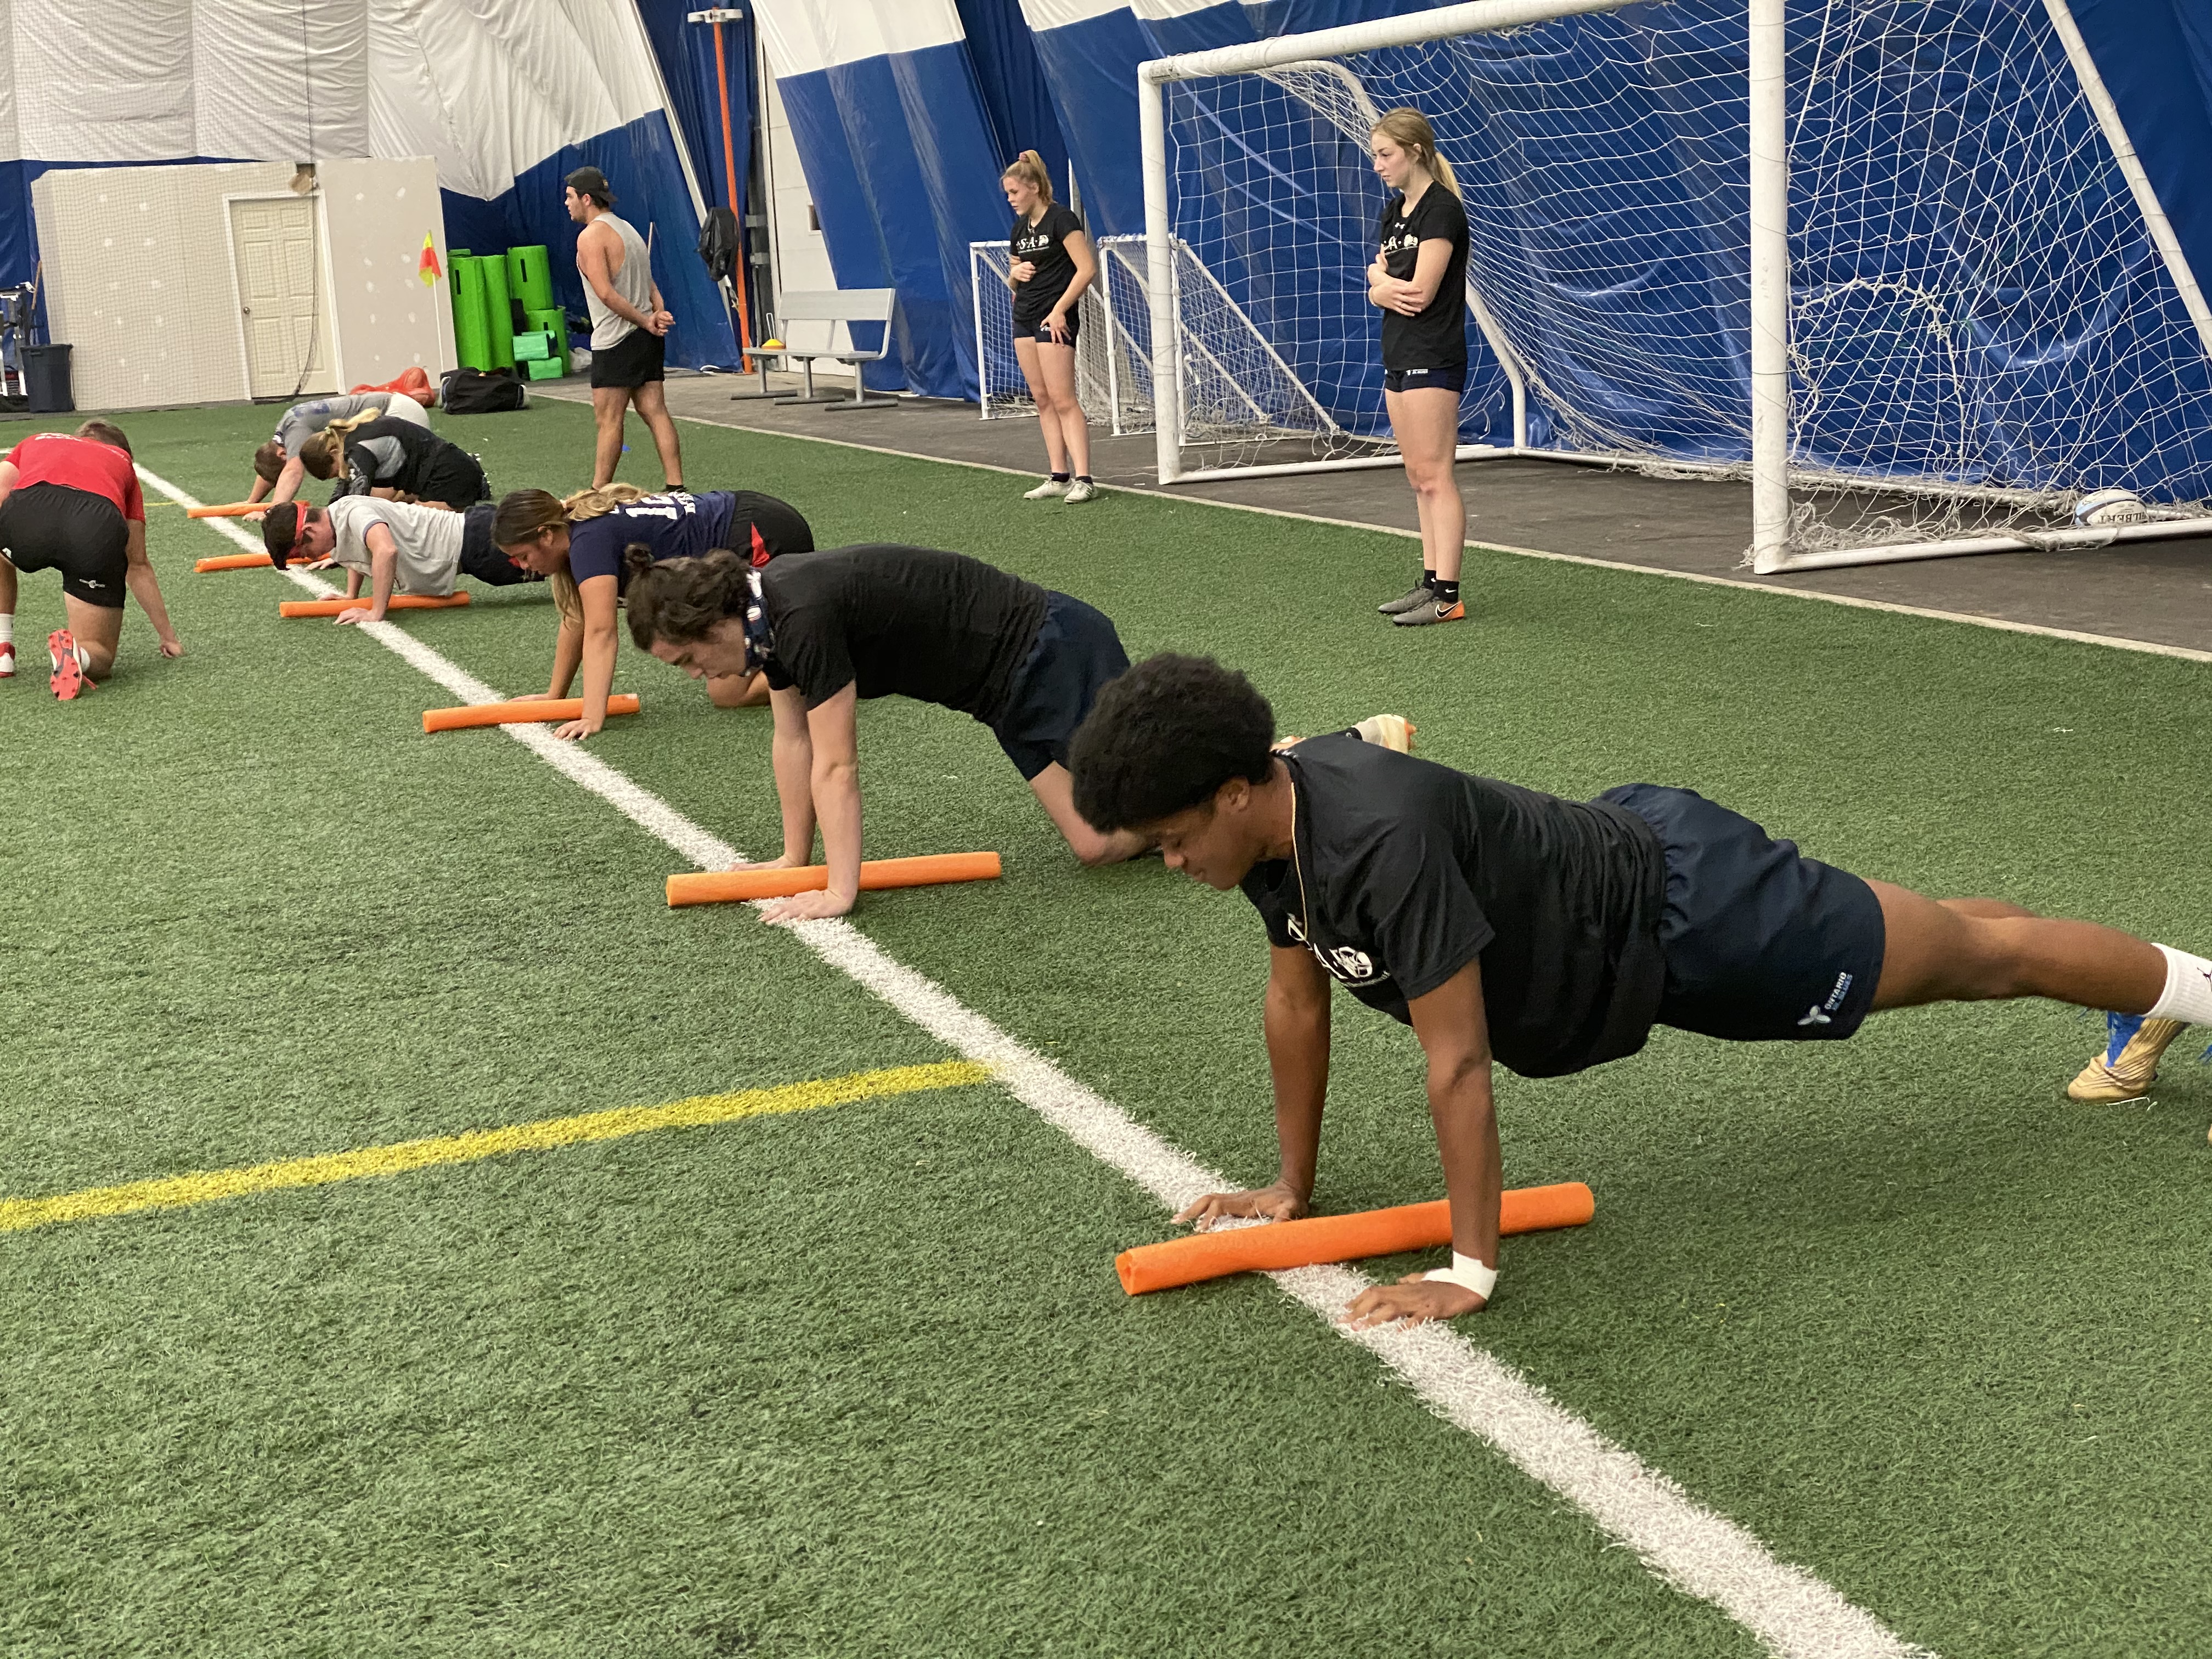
[{"x": 1504, "y": 925}]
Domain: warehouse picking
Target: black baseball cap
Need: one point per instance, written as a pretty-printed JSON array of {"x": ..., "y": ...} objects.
[{"x": 590, "y": 181}]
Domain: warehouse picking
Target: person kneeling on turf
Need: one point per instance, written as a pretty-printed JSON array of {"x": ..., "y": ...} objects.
[
  {"x": 836, "y": 627},
  {"x": 72, "y": 504},
  {"x": 577, "y": 544},
  {"x": 395, "y": 547},
  {"x": 381, "y": 456},
  {"x": 1548, "y": 934},
  {"x": 278, "y": 471}
]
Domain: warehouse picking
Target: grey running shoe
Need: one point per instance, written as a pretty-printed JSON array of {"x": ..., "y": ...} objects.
[
  {"x": 1432, "y": 609},
  {"x": 1050, "y": 489},
  {"x": 1407, "y": 601},
  {"x": 1081, "y": 491}
]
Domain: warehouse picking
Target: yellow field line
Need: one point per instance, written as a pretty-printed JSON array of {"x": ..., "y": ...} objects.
[{"x": 170, "y": 1192}]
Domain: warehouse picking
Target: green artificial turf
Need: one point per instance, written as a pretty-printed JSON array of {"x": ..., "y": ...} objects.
[{"x": 860, "y": 1380}]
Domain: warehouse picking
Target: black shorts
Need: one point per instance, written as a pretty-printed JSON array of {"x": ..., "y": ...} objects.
[
  {"x": 1038, "y": 331},
  {"x": 480, "y": 556},
  {"x": 1425, "y": 380},
  {"x": 633, "y": 360},
  {"x": 51, "y": 526},
  {"x": 1762, "y": 944},
  {"x": 1077, "y": 652},
  {"x": 455, "y": 477},
  {"x": 762, "y": 528}
]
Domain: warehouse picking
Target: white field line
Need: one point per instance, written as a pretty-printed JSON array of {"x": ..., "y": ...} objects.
[
  {"x": 2073, "y": 636},
  {"x": 1793, "y": 1613}
]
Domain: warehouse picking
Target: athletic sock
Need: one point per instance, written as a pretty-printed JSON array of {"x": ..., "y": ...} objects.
[
  {"x": 7, "y": 627},
  {"x": 1446, "y": 592},
  {"x": 2188, "y": 995},
  {"x": 1083, "y": 477},
  {"x": 1060, "y": 477}
]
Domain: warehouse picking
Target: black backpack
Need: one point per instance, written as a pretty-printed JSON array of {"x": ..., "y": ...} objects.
[{"x": 472, "y": 392}]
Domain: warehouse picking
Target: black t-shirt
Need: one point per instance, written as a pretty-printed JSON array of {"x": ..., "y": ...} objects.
[
  {"x": 1044, "y": 244},
  {"x": 388, "y": 454},
  {"x": 908, "y": 622},
  {"x": 1437, "y": 337},
  {"x": 1410, "y": 870}
]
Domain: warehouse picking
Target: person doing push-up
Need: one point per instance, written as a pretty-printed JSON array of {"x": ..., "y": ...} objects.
[{"x": 1504, "y": 925}]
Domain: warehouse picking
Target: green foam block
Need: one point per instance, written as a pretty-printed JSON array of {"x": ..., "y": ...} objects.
[
  {"x": 529, "y": 347},
  {"x": 548, "y": 369},
  {"x": 530, "y": 278}
]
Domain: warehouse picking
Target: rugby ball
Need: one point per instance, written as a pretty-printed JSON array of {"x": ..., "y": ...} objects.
[{"x": 2106, "y": 506}]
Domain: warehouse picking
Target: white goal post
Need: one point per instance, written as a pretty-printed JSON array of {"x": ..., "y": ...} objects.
[{"x": 2035, "y": 371}]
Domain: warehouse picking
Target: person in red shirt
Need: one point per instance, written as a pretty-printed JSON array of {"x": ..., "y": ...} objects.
[{"x": 71, "y": 503}]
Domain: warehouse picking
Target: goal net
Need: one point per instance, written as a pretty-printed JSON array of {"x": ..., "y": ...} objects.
[
  {"x": 1982, "y": 332},
  {"x": 1114, "y": 393}
]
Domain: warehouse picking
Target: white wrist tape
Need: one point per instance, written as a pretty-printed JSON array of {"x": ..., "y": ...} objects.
[{"x": 1467, "y": 1272}]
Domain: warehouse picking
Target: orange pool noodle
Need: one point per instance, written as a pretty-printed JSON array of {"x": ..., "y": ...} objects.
[
  {"x": 399, "y": 601},
  {"x": 735, "y": 886},
  {"x": 523, "y": 711},
  {"x": 234, "y": 562},
  {"x": 229, "y": 510},
  {"x": 415, "y": 382},
  {"x": 1330, "y": 1238}
]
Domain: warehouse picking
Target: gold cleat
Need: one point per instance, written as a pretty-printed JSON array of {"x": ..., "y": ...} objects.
[{"x": 2129, "y": 1066}]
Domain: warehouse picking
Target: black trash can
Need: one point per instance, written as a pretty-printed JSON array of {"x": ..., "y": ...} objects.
[{"x": 46, "y": 379}]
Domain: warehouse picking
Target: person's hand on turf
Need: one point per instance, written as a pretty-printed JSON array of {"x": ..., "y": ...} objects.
[
  {"x": 575, "y": 730},
  {"x": 312, "y": 564},
  {"x": 786, "y": 862},
  {"x": 1276, "y": 1203},
  {"x": 1414, "y": 1299},
  {"x": 817, "y": 906},
  {"x": 360, "y": 613},
  {"x": 173, "y": 646}
]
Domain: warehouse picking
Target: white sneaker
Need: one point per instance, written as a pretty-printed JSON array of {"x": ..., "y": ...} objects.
[
  {"x": 1050, "y": 489},
  {"x": 1392, "y": 732},
  {"x": 1081, "y": 491},
  {"x": 8, "y": 660}
]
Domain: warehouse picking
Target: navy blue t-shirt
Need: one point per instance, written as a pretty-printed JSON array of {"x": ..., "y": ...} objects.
[{"x": 677, "y": 526}]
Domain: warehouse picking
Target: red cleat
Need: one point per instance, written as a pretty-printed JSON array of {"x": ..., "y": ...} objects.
[{"x": 69, "y": 681}]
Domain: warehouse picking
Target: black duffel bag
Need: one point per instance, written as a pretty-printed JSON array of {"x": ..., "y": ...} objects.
[{"x": 472, "y": 392}]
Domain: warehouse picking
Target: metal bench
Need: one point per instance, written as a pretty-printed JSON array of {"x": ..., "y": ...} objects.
[{"x": 818, "y": 323}]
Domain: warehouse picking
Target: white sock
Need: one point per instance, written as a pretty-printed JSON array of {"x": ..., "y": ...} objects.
[
  {"x": 7, "y": 627},
  {"x": 2188, "y": 996}
]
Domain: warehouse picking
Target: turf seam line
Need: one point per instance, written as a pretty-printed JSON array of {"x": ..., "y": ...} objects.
[
  {"x": 1968, "y": 618},
  {"x": 1793, "y": 1613},
  {"x": 473, "y": 1146}
]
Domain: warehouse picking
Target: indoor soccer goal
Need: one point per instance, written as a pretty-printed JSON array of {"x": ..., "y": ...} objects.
[
  {"x": 1897, "y": 265},
  {"x": 1113, "y": 390}
]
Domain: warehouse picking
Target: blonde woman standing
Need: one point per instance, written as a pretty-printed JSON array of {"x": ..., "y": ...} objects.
[
  {"x": 1052, "y": 264},
  {"x": 1419, "y": 280}
]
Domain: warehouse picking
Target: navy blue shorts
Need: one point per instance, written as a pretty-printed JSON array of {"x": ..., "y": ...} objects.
[
  {"x": 1077, "y": 652},
  {"x": 1424, "y": 379},
  {"x": 1762, "y": 944},
  {"x": 1040, "y": 331}
]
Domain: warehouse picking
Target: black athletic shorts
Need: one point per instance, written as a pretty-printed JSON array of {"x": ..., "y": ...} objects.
[
  {"x": 1042, "y": 335},
  {"x": 455, "y": 477},
  {"x": 633, "y": 360},
  {"x": 1077, "y": 652},
  {"x": 51, "y": 526},
  {"x": 480, "y": 555},
  {"x": 1762, "y": 944},
  {"x": 1425, "y": 380}
]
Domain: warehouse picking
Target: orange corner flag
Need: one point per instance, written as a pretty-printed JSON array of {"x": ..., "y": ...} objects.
[{"x": 426, "y": 266}]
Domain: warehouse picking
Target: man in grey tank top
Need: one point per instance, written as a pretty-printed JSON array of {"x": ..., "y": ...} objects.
[{"x": 628, "y": 328}]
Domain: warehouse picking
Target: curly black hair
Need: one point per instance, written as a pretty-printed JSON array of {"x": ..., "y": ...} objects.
[{"x": 1164, "y": 736}]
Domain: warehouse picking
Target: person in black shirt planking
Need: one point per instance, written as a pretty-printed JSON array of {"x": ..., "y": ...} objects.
[
  {"x": 1420, "y": 280},
  {"x": 852, "y": 622},
  {"x": 1550, "y": 935},
  {"x": 1053, "y": 264}
]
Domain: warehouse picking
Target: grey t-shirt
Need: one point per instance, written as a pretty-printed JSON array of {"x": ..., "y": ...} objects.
[
  {"x": 302, "y": 421},
  {"x": 428, "y": 538},
  {"x": 633, "y": 281}
]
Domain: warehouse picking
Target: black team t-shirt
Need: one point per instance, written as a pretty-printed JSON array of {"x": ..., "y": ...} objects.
[
  {"x": 1044, "y": 244},
  {"x": 1410, "y": 870},
  {"x": 1437, "y": 337},
  {"x": 908, "y": 622}
]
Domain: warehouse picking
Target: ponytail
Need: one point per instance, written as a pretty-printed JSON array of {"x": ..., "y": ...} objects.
[
  {"x": 1409, "y": 129},
  {"x": 1028, "y": 167}
]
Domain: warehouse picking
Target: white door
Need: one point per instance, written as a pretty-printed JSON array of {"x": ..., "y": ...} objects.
[{"x": 273, "y": 246}]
